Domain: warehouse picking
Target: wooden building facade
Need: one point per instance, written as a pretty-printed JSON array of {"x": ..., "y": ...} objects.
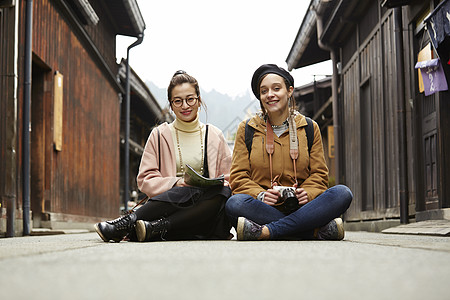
[
  {"x": 314, "y": 100},
  {"x": 145, "y": 114},
  {"x": 75, "y": 110},
  {"x": 392, "y": 139}
]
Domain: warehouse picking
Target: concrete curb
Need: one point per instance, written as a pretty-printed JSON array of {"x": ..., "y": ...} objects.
[{"x": 431, "y": 227}]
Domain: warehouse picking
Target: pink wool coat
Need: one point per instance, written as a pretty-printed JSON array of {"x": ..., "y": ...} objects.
[{"x": 154, "y": 180}]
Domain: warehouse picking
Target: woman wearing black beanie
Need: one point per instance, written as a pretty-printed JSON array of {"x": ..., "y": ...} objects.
[{"x": 279, "y": 177}]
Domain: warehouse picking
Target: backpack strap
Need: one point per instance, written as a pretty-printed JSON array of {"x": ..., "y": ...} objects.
[
  {"x": 309, "y": 133},
  {"x": 205, "y": 155},
  {"x": 249, "y": 132},
  {"x": 159, "y": 148}
]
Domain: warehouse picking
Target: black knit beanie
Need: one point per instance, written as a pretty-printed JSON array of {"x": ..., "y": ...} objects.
[{"x": 268, "y": 69}]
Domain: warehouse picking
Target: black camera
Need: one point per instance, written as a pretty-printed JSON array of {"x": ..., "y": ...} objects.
[{"x": 287, "y": 202}]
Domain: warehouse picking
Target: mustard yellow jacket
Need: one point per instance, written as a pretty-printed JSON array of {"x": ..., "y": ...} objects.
[{"x": 251, "y": 175}]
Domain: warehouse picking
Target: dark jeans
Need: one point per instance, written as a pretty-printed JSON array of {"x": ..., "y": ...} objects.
[{"x": 301, "y": 223}]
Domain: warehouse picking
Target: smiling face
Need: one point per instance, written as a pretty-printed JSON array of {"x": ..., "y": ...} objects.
[
  {"x": 274, "y": 97},
  {"x": 185, "y": 112}
]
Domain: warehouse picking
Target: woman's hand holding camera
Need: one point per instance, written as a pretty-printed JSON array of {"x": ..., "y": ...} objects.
[
  {"x": 301, "y": 195},
  {"x": 271, "y": 196}
]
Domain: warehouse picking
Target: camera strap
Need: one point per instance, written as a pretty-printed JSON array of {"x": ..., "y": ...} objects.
[
  {"x": 293, "y": 145},
  {"x": 269, "y": 147}
]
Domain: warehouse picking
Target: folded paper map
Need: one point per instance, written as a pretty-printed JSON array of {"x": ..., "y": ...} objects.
[{"x": 193, "y": 178}]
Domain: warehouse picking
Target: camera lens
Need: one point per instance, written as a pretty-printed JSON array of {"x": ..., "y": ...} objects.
[
  {"x": 288, "y": 194},
  {"x": 290, "y": 201}
]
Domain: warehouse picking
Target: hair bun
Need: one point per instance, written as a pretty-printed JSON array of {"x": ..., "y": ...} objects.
[{"x": 179, "y": 72}]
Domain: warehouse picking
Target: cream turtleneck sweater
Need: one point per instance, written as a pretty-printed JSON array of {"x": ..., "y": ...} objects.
[{"x": 189, "y": 143}]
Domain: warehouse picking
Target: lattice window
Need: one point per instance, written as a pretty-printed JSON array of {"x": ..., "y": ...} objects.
[{"x": 430, "y": 145}]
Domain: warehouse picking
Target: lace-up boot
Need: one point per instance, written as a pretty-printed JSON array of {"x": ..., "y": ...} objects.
[
  {"x": 117, "y": 229},
  {"x": 147, "y": 231}
]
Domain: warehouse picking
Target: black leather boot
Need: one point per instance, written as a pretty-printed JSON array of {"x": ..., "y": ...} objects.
[
  {"x": 147, "y": 231},
  {"x": 117, "y": 229}
]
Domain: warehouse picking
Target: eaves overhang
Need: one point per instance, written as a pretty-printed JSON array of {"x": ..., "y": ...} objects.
[
  {"x": 312, "y": 86},
  {"x": 305, "y": 50},
  {"x": 140, "y": 88},
  {"x": 128, "y": 17},
  {"x": 342, "y": 21},
  {"x": 339, "y": 17}
]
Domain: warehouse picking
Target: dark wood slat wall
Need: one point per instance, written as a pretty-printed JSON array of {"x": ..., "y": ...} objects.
[
  {"x": 390, "y": 89},
  {"x": 3, "y": 101},
  {"x": 8, "y": 150},
  {"x": 352, "y": 137},
  {"x": 371, "y": 129},
  {"x": 103, "y": 34},
  {"x": 84, "y": 176},
  {"x": 373, "y": 71}
]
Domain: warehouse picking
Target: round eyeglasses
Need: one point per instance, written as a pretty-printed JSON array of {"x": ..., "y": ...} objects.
[{"x": 178, "y": 102}]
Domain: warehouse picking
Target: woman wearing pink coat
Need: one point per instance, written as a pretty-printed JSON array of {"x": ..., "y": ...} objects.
[{"x": 177, "y": 210}]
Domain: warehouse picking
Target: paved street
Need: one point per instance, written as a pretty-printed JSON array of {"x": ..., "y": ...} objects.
[{"x": 363, "y": 266}]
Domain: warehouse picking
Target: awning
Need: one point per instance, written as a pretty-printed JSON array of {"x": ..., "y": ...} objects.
[{"x": 438, "y": 27}]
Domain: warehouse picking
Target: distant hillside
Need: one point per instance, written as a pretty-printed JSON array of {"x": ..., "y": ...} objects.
[{"x": 223, "y": 111}]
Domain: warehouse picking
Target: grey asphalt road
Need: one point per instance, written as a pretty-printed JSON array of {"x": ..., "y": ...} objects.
[{"x": 363, "y": 266}]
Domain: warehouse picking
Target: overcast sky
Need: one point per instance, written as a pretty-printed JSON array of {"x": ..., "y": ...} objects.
[{"x": 221, "y": 43}]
